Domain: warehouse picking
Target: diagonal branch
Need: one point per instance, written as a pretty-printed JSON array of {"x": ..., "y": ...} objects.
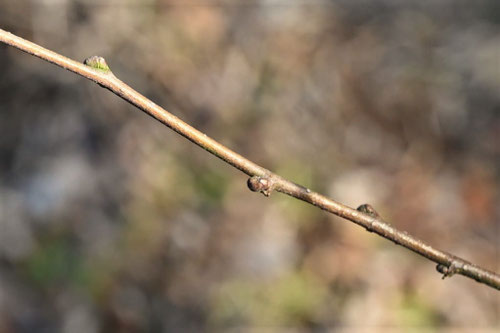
[{"x": 261, "y": 179}]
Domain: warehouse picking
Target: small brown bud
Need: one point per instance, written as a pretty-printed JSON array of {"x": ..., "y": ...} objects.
[
  {"x": 448, "y": 271},
  {"x": 442, "y": 269},
  {"x": 260, "y": 184},
  {"x": 368, "y": 209}
]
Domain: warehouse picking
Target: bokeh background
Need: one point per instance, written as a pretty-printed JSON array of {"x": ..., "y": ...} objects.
[{"x": 110, "y": 222}]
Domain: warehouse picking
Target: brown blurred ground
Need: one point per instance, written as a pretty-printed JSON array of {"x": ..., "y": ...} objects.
[{"x": 109, "y": 222}]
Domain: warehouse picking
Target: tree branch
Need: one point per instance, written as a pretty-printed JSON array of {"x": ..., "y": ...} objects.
[{"x": 261, "y": 179}]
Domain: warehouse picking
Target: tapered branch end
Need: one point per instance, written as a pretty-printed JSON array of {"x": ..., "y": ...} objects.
[
  {"x": 263, "y": 185},
  {"x": 98, "y": 63}
]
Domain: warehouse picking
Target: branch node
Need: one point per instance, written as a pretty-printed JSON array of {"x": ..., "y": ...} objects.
[{"x": 263, "y": 185}]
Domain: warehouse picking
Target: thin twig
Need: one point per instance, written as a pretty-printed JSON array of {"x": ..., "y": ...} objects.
[{"x": 262, "y": 180}]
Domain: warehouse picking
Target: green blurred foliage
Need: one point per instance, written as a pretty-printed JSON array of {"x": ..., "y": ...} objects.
[{"x": 292, "y": 299}]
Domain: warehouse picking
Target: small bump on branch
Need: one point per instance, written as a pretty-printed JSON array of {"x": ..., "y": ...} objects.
[
  {"x": 449, "y": 271},
  {"x": 368, "y": 210},
  {"x": 98, "y": 63},
  {"x": 264, "y": 185}
]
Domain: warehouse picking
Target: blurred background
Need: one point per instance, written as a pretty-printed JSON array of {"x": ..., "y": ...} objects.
[{"x": 110, "y": 222}]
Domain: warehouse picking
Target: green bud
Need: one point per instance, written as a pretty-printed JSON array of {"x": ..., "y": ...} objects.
[{"x": 97, "y": 63}]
